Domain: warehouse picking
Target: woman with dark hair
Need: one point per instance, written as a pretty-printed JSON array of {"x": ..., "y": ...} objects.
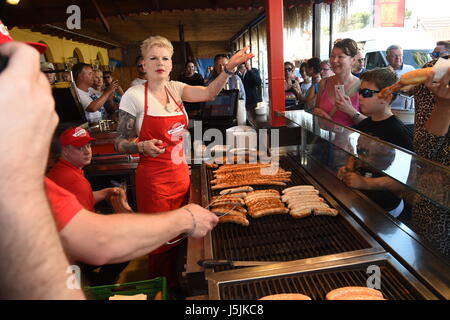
[
  {"x": 313, "y": 70},
  {"x": 306, "y": 83},
  {"x": 189, "y": 76},
  {"x": 338, "y": 97},
  {"x": 192, "y": 78}
]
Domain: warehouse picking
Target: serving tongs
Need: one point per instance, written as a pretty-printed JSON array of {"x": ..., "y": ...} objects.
[
  {"x": 223, "y": 214},
  {"x": 212, "y": 263},
  {"x": 207, "y": 207}
]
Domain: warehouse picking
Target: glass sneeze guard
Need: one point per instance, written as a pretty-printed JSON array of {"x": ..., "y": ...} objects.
[{"x": 427, "y": 178}]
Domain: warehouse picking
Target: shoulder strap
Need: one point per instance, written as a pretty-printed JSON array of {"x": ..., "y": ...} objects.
[
  {"x": 321, "y": 90},
  {"x": 355, "y": 87}
]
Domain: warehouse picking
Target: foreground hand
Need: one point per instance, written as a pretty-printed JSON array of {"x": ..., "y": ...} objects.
[
  {"x": 344, "y": 104},
  {"x": 108, "y": 192},
  {"x": 341, "y": 172},
  {"x": 114, "y": 85},
  {"x": 354, "y": 180},
  {"x": 27, "y": 116},
  {"x": 153, "y": 148},
  {"x": 239, "y": 57},
  {"x": 205, "y": 220}
]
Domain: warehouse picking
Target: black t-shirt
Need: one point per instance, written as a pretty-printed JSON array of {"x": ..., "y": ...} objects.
[
  {"x": 195, "y": 80},
  {"x": 391, "y": 130}
]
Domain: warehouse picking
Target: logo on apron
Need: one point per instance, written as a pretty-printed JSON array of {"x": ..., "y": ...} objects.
[{"x": 176, "y": 131}]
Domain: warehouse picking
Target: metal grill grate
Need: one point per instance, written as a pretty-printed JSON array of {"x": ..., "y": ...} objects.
[
  {"x": 317, "y": 284},
  {"x": 282, "y": 238}
]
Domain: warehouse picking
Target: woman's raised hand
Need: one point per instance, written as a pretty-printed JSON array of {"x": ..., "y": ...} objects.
[{"x": 239, "y": 57}]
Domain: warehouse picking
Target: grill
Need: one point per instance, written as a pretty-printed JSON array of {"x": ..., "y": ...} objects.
[
  {"x": 316, "y": 284},
  {"x": 281, "y": 237}
]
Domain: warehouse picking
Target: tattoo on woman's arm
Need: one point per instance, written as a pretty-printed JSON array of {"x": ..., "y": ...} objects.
[{"x": 126, "y": 130}]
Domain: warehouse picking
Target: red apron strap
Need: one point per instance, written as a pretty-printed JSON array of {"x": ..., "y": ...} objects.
[{"x": 145, "y": 98}]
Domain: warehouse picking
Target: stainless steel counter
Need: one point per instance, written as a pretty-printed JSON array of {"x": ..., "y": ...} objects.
[{"x": 417, "y": 263}]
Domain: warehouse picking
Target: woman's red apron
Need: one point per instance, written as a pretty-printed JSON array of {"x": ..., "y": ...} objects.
[{"x": 162, "y": 182}]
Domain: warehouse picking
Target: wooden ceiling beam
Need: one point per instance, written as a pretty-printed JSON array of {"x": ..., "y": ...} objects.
[{"x": 101, "y": 16}]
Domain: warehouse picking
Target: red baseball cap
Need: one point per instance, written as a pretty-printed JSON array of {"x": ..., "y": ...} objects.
[
  {"x": 5, "y": 37},
  {"x": 75, "y": 136}
]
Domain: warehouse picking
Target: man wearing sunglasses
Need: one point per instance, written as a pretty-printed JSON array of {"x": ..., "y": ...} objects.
[
  {"x": 141, "y": 78},
  {"x": 442, "y": 50},
  {"x": 358, "y": 67}
]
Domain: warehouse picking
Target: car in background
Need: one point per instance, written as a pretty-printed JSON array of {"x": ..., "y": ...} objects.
[{"x": 417, "y": 45}]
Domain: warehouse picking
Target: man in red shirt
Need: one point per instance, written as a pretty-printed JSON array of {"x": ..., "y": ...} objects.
[
  {"x": 104, "y": 239},
  {"x": 68, "y": 172}
]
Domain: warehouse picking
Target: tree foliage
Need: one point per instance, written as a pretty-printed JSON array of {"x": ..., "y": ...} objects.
[{"x": 356, "y": 21}]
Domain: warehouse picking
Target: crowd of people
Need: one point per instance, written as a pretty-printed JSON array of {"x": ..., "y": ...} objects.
[{"x": 151, "y": 117}]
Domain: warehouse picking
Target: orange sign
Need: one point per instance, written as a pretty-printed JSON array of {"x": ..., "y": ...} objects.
[{"x": 389, "y": 13}]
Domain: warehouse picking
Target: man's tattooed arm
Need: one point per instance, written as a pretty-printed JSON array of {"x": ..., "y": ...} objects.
[{"x": 126, "y": 130}]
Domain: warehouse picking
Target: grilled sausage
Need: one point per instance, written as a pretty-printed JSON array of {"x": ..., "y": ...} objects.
[
  {"x": 265, "y": 212},
  {"x": 227, "y": 207},
  {"x": 306, "y": 200},
  {"x": 261, "y": 196},
  {"x": 295, "y": 194},
  {"x": 230, "y": 196},
  {"x": 312, "y": 205},
  {"x": 265, "y": 205},
  {"x": 119, "y": 202},
  {"x": 235, "y": 201},
  {"x": 306, "y": 197},
  {"x": 303, "y": 213},
  {"x": 262, "y": 201},
  {"x": 261, "y": 182},
  {"x": 325, "y": 212},
  {"x": 236, "y": 190},
  {"x": 234, "y": 219},
  {"x": 302, "y": 187},
  {"x": 263, "y": 191}
]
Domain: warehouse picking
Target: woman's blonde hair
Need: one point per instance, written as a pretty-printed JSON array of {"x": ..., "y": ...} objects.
[{"x": 156, "y": 41}]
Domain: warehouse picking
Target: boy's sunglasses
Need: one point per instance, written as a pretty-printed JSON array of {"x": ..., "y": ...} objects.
[
  {"x": 367, "y": 93},
  {"x": 288, "y": 69}
]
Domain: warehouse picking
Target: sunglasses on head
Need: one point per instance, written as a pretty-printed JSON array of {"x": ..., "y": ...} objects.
[{"x": 367, "y": 93}]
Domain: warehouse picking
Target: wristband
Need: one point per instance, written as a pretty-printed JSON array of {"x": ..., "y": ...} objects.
[
  {"x": 228, "y": 72},
  {"x": 194, "y": 223},
  {"x": 356, "y": 116}
]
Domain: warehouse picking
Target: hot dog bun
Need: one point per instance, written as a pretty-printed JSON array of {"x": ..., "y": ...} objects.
[
  {"x": 349, "y": 292},
  {"x": 286, "y": 296}
]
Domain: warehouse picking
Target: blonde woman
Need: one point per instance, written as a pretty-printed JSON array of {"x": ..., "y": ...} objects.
[
  {"x": 154, "y": 113},
  {"x": 98, "y": 84}
]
